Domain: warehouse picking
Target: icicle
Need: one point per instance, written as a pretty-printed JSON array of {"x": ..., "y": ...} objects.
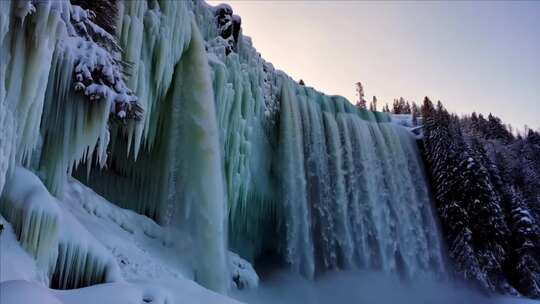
[
  {"x": 250, "y": 187},
  {"x": 25, "y": 65},
  {"x": 73, "y": 127},
  {"x": 7, "y": 142},
  {"x": 82, "y": 261},
  {"x": 153, "y": 38}
]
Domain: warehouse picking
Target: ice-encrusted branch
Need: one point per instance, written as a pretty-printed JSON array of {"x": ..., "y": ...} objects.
[{"x": 99, "y": 70}]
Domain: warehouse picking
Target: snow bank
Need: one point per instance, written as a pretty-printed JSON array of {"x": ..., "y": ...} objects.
[
  {"x": 23, "y": 292},
  {"x": 143, "y": 250},
  {"x": 243, "y": 274},
  {"x": 82, "y": 260},
  {"x": 402, "y": 119},
  {"x": 99, "y": 242},
  {"x": 63, "y": 249},
  {"x": 140, "y": 292},
  {"x": 34, "y": 214},
  {"x": 15, "y": 262}
]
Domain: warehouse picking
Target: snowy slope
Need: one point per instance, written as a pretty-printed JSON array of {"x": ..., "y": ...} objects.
[
  {"x": 15, "y": 262},
  {"x": 146, "y": 253},
  {"x": 24, "y": 292}
]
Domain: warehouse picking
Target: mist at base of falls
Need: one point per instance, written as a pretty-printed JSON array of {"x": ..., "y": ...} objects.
[{"x": 284, "y": 287}]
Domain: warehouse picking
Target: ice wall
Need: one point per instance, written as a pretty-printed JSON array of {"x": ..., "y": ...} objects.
[
  {"x": 313, "y": 178},
  {"x": 248, "y": 133},
  {"x": 353, "y": 189}
]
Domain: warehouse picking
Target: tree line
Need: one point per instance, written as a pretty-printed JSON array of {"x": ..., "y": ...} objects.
[{"x": 486, "y": 185}]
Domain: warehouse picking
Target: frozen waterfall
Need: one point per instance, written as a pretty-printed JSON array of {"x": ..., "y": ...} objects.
[
  {"x": 353, "y": 190},
  {"x": 176, "y": 116}
]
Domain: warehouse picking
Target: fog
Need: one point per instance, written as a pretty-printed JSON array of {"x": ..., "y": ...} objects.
[{"x": 363, "y": 287}]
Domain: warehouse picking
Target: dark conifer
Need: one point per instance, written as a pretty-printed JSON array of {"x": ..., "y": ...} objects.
[{"x": 486, "y": 187}]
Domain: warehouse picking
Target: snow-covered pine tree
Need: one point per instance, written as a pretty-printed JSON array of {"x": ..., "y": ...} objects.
[
  {"x": 441, "y": 156},
  {"x": 361, "y": 102},
  {"x": 530, "y": 169},
  {"x": 496, "y": 130},
  {"x": 396, "y": 108},
  {"x": 415, "y": 111},
  {"x": 373, "y": 104},
  {"x": 511, "y": 161},
  {"x": 472, "y": 199},
  {"x": 105, "y": 12},
  {"x": 490, "y": 231},
  {"x": 406, "y": 108},
  {"x": 478, "y": 125},
  {"x": 524, "y": 269}
]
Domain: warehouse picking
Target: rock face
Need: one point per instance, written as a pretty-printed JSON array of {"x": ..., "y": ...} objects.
[{"x": 229, "y": 26}]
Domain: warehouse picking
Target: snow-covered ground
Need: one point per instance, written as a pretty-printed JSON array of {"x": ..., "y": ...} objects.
[
  {"x": 154, "y": 262},
  {"x": 25, "y": 292},
  {"x": 406, "y": 120},
  {"x": 15, "y": 262}
]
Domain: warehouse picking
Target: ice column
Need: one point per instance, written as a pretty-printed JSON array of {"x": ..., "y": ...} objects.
[{"x": 200, "y": 178}]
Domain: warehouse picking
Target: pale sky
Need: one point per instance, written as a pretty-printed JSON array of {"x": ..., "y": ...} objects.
[{"x": 481, "y": 56}]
